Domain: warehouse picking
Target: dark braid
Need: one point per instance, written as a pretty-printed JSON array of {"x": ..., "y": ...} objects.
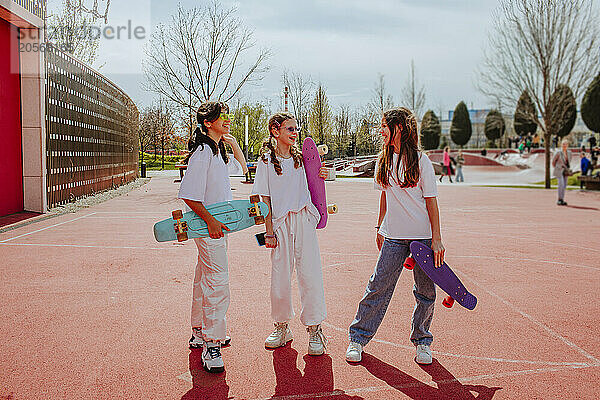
[{"x": 209, "y": 111}]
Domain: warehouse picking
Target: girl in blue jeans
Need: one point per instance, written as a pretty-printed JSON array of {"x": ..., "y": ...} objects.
[{"x": 408, "y": 211}]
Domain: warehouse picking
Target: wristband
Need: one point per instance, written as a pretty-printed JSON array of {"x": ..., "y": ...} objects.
[
  {"x": 270, "y": 236},
  {"x": 377, "y": 227}
]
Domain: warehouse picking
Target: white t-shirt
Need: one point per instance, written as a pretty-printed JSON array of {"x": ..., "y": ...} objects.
[
  {"x": 288, "y": 191},
  {"x": 206, "y": 179},
  {"x": 406, "y": 216}
]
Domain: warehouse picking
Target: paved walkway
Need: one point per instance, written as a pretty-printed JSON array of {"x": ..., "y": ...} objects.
[{"x": 94, "y": 308}]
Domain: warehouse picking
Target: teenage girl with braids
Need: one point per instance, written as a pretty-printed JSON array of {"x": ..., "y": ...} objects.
[
  {"x": 408, "y": 211},
  {"x": 291, "y": 234},
  {"x": 206, "y": 182}
]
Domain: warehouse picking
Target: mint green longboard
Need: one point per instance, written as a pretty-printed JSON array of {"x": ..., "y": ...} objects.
[{"x": 235, "y": 214}]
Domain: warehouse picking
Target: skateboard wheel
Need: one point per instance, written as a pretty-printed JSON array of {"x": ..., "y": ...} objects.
[
  {"x": 332, "y": 209},
  {"x": 259, "y": 220},
  {"x": 448, "y": 302},
  {"x": 255, "y": 198},
  {"x": 177, "y": 214},
  {"x": 323, "y": 149},
  {"x": 409, "y": 263},
  {"x": 182, "y": 237}
]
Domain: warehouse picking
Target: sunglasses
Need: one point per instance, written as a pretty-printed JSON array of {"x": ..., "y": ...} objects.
[{"x": 226, "y": 117}]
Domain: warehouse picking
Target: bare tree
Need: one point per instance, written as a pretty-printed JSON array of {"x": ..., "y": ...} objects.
[
  {"x": 202, "y": 54},
  {"x": 343, "y": 131},
  {"x": 381, "y": 99},
  {"x": 72, "y": 30},
  {"x": 300, "y": 87},
  {"x": 319, "y": 120},
  {"x": 413, "y": 95},
  {"x": 537, "y": 45}
]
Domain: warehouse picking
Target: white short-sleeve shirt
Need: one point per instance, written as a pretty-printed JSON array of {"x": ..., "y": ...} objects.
[
  {"x": 206, "y": 179},
  {"x": 288, "y": 191},
  {"x": 406, "y": 216}
]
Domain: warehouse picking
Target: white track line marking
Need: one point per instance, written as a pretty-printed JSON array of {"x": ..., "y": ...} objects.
[
  {"x": 495, "y": 359},
  {"x": 500, "y": 258},
  {"x": 528, "y": 238},
  {"x": 536, "y": 322},
  {"x": 48, "y": 227},
  {"x": 369, "y": 389}
]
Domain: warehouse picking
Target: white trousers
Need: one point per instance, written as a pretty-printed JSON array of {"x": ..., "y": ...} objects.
[
  {"x": 210, "y": 298},
  {"x": 297, "y": 246}
]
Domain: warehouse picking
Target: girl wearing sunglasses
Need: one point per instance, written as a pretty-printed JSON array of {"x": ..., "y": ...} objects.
[
  {"x": 291, "y": 234},
  {"x": 206, "y": 182}
]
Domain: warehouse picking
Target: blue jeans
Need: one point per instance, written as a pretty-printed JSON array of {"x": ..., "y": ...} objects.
[
  {"x": 459, "y": 174},
  {"x": 562, "y": 184},
  {"x": 380, "y": 288}
]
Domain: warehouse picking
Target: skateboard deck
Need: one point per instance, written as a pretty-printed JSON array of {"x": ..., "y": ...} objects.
[
  {"x": 236, "y": 215},
  {"x": 316, "y": 185},
  {"x": 442, "y": 275}
]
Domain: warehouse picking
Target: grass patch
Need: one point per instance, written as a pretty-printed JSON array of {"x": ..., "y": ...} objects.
[{"x": 170, "y": 162}]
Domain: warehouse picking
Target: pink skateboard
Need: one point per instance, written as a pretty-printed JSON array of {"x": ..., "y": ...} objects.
[{"x": 316, "y": 185}]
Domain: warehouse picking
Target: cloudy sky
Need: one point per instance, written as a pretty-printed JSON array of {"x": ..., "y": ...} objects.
[{"x": 344, "y": 44}]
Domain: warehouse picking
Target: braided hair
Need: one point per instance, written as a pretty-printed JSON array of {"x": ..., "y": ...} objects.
[
  {"x": 269, "y": 144},
  {"x": 401, "y": 121},
  {"x": 209, "y": 111}
]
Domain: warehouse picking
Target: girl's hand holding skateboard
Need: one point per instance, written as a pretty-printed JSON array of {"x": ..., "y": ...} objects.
[
  {"x": 438, "y": 251},
  {"x": 323, "y": 172},
  {"x": 215, "y": 228},
  {"x": 270, "y": 241}
]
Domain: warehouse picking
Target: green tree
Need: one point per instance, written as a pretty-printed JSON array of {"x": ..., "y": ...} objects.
[
  {"x": 590, "y": 106},
  {"x": 525, "y": 116},
  {"x": 563, "y": 111},
  {"x": 431, "y": 130},
  {"x": 343, "y": 132},
  {"x": 494, "y": 127},
  {"x": 320, "y": 119},
  {"x": 461, "y": 129},
  {"x": 258, "y": 118}
]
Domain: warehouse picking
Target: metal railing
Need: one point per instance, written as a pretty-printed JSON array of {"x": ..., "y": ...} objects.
[
  {"x": 91, "y": 130},
  {"x": 36, "y": 7}
]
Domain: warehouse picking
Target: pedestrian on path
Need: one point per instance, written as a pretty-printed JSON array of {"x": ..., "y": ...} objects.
[
  {"x": 460, "y": 161},
  {"x": 585, "y": 168},
  {"x": 291, "y": 234},
  {"x": 562, "y": 170},
  {"x": 447, "y": 170},
  {"x": 206, "y": 182},
  {"x": 408, "y": 212}
]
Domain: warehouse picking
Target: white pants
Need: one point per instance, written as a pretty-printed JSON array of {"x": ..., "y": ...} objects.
[
  {"x": 297, "y": 245},
  {"x": 211, "y": 288}
]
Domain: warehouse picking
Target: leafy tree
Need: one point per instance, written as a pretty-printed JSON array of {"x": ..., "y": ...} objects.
[
  {"x": 590, "y": 106},
  {"x": 563, "y": 111},
  {"x": 258, "y": 118},
  {"x": 431, "y": 130},
  {"x": 494, "y": 127},
  {"x": 525, "y": 115},
  {"x": 461, "y": 129},
  {"x": 320, "y": 119}
]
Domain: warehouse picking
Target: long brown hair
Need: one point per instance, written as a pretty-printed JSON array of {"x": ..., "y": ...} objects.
[
  {"x": 269, "y": 143},
  {"x": 401, "y": 121},
  {"x": 209, "y": 111}
]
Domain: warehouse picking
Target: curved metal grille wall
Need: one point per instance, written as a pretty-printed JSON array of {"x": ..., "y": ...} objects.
[{"x": 91, "y": 131}]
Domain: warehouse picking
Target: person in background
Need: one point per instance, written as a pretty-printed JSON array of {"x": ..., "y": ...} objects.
[
  {"x": 447, "y": 169},
  {"x": 585, "y": 168},
  {"x": 562, "y": 170},
  {"x": 460, "y": 161}
]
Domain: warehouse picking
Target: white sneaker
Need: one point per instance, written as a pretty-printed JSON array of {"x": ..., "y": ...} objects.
[
  {"x": 211, "y": 358},
  {"x": 423, "y": 354},
  {"x": 196, "y": 341},
  {"x": 280, "y": 336},
  {"x": 317, "y": 342},
  {"x": 354, "y": 352}
]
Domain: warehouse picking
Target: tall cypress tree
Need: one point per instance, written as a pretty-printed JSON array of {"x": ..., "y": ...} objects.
[
  {"x": 461, "y": 129},
  {"x": 563, "y": 111},
  {"x": 494, "y": 126},
  {"x": 525, "y": 116},
  {"x": 431, "y": 131},
  {"x": 590, "y": 106}
]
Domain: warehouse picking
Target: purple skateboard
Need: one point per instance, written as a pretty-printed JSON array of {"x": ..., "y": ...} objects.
[
  {"x": 316, "y": 185},
  {"x": 442, "y": 276}
]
